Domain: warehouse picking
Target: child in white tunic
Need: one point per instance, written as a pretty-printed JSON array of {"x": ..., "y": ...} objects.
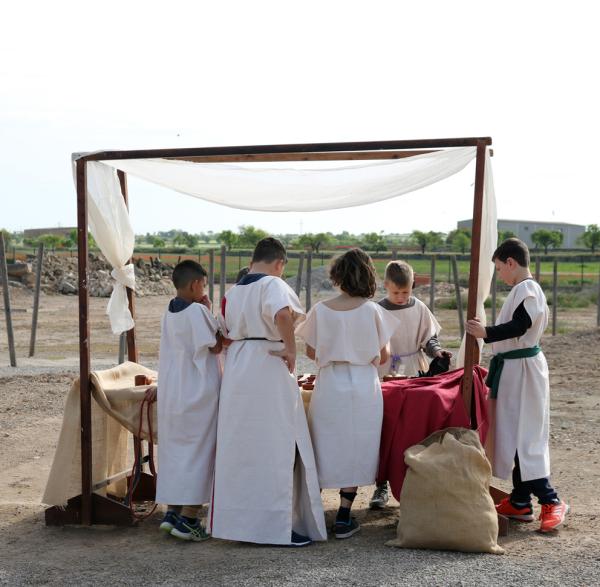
[
  {"x": 520, "y": 388},
  {"x": 189, "y": 377},
  {"x": 414, "y": 341},
  {"x": 266, "y": 488},
  {"x": 347, "y": 337}
]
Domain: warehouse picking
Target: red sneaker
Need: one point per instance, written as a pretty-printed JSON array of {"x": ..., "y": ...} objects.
[
  {"x": 553, "y": 515},
  {"x": 506, "y": 508}
]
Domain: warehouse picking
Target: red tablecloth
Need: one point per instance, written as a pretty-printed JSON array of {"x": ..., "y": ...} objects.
[{"x": 415, "y": 408}]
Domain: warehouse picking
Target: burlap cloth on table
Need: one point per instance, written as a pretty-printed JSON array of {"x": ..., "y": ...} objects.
[
  {"x": 445, "y": 501},
  {"x": 115, "y": 412}
]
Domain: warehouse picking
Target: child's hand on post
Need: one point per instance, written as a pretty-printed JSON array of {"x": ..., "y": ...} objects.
[
  {"x": 150, "y": 395},
  {"x": 474, "y": 328}
]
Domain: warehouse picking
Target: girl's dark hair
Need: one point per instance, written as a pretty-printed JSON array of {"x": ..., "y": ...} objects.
[
  {"x": 515, "y": 248},
  {"x": 354, "y": 273}
]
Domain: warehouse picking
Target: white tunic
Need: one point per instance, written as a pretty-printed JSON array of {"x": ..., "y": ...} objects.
[
  {"x": 417, "y": 326},
  {"x": 346, "y": 408},
  {"x": 523, "y": 403},
  {"x": 265, "y": 473},
  {"x": 189, "y": 377}
]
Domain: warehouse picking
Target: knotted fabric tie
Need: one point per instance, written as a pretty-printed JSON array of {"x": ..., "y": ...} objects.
[{"x": 118, "y": 307}]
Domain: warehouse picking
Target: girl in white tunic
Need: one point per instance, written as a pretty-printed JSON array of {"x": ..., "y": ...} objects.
[
  {"x": 266, "y": 488},
  {"x": 347, "y": 337},
  {"x": 189, "y": 378},
  {"x": 520, "y": 390}
]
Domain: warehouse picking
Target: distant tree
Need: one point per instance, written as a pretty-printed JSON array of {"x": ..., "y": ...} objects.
[
  {"x": 374, "y": 241},
  {"x": 459, "y": 240},
  {"x": 420, "y": 238},
  {"x": 504, "y": 234},
  {"x": 227, "y": 238},
  {"x": 180, "y": 238},
  {"x": 51, "y": 241},
  {"x": 314, "y": 241},
  {"x": 7, "y": 236},
  {"x": 547, "y": 238},
  {"x": 250, "y": 235},
  {"x": 192, "y": 240},
  {"x": 591, "y": 237},
  {"x": 158, "y": 243}
]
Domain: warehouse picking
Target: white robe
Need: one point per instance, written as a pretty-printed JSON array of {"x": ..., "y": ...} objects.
[
  {"x": 265, "y": 474},
  {"x": 189, "y": 377},
  {"x": 522, "y": 420},
  {"x": 417, "y": 326},
  {"x": 346, "y": 409}
]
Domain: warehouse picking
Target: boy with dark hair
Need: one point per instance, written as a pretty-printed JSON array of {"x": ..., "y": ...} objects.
[
  {"x": 266, "y": 488},
  {"x": 519, "y": 383},
  {"x": 189, "y": 377},
  {"x": 415, "y": 339}
]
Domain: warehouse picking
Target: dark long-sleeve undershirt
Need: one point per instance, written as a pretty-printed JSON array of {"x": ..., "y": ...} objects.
[{"x": 514, "y": 328}]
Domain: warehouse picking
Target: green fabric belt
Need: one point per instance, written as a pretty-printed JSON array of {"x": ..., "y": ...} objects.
[{"x": 497, "y": 364}]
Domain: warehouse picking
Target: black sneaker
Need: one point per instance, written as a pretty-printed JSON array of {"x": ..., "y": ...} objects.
[
  {"x": 346, "y": 529},
  {"x": 381, "y": 496},
  {"x": 299, "y": 540}
]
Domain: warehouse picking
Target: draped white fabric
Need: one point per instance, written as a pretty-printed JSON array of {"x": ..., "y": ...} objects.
[{"x": 253, "y": 186}]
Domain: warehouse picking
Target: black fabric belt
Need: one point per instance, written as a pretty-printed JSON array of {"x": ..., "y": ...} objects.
[{"x": 260, "y": 338}]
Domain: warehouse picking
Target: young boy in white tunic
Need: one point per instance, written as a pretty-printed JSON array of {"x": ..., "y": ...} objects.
[
  {"x": 415, "y": 339},
  {"x": 519, "y": 384},
  {"x": 189, "y": 378},
  {"x": 347, "y": 337},
  {"x": 266, "y": 488}
]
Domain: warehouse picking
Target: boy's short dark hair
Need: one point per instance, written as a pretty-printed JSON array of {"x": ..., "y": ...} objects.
[
  {"x": 354, "y": 273},
  {"x": 515, "y": 248},
  {"x": 400, "y": 273},
  {"x": 268, "y": 250},
  {"x": 186, "y": 272}
]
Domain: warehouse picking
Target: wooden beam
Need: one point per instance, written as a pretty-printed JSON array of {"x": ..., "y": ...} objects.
[
  {"x": 335, "y": 156},
  {"x": 7, "y": 311},
  {"x": 132, "y": 353},
  {"x": 471, "y": 346},
  {"x": 84, "y": 346},
  {"x": 290, "y": 148}
]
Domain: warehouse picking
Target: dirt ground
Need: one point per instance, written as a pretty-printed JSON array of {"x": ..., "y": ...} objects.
[{"x": 31, "y": 403}]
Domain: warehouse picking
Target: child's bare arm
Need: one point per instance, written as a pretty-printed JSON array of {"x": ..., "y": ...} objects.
[
  {"x": 310, "y": 352},
  {"x": 384, "y": 354},
  {"x": 285, "y": 325},
  {"x": 219, "y": 346}
]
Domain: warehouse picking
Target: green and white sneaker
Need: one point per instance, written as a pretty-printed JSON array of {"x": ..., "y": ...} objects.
[
  {"x": 195, "y": 532},
  {"x": 169, "y": 521}
]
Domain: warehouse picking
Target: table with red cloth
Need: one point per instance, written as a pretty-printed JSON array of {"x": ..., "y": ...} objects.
[{"x": 415, "y": 408}]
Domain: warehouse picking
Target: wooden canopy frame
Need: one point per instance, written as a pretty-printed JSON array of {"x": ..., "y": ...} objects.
[{"x": 90, "y": 508}]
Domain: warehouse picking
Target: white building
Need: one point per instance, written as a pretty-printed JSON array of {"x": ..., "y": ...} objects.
[{"x": 523, "y": 229}]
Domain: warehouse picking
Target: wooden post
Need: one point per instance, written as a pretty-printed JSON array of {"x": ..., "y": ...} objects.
[
  {"x": 84, "y": 346},
  {"x": 471, "y": 346},
  {"x": 432, "y": 286},
  {"x": 132, "y": 353},
  {"x": 299, "y": 274},
  {"x": 222, "y": 275},
  {"x": 598, "y": 302},
  {"x": 494, "y": 289},
  {"x": 538, "y": 263},
  {"x": 122, "y": 347},
  {"x": 459, "y": 308},
  {"x": 36, "y": 298},
  {"x": 308, "y": 280},
  {"x": 7, "y": 313},
  {"x": 554, "y": 295},
  {"x": 211, "y": 275}
]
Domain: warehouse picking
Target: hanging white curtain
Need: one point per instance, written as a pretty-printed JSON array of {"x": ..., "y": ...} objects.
[{"x": 275, "y": 189}]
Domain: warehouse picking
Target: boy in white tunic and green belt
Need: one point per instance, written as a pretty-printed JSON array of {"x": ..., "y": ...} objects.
[
  {"x": 266, "y": 487},
  {"x": 519, "y": 384}
]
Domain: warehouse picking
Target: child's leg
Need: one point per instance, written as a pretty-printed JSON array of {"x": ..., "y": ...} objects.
[
  {"x": 190, "y": 512},
  {"x": 522, "y": 490},
  {"x": 347, "y": 495}
]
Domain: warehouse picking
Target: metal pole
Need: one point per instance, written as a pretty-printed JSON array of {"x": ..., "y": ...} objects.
[
  {"x": 299, "y": 274},
  {"x": 432, "y": 286},
  {"x": 222, "y": 276},
  {"x": 459, "y": 308},
  {"x": 554, "y": 295},
  {"x": 122, "y": 347},
  {"x": 7, "y": 312},
  {"x": 308, "y": 280},
  {"x": 84, "y": 347},
  {"x": 36, "y": 298},
  {"x": 211, "y": 275},
  {"x": 471, "y": 346},
  {"x": 494, "y": 291},
  {"x": 598, "y": 302}
]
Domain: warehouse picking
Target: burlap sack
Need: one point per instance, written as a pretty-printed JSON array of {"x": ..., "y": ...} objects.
[{"x": 445, "y": 502}]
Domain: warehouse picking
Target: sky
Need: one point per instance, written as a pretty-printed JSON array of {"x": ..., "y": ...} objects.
[{"x": 78, "y": 76}]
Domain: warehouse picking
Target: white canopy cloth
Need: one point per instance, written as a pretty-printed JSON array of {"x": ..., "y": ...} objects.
[{"x": 275, "y": 189}]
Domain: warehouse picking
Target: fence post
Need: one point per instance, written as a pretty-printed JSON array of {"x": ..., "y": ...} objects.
[
  {"x": 308, "y": 280},
  {"x": 211, "y": 275},
  {"x": 538, "y": 264},
  {"x": 554, "y": 295},
  {"x": 459, "y": 308},
  {"x": 598, "y": 301},
  {"x": 122, "y": 347},
  {"x": 36, "y": 298},
  {"x": 7, "y": 314},
  {"x": 494, "y": 291},
  {"x": 299, "y": 274},
  {"x": 223, "y": 274},
  {"x": 432, "y": 286}
]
